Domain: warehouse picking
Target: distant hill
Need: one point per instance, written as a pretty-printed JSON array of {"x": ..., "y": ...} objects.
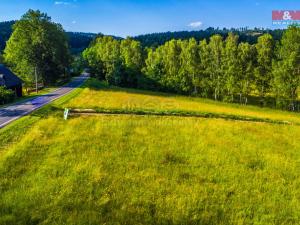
[
  {"x": 246, "y": 35},
  {"x": 79, "y": 41},
  {"x": 5, "y": 32}
]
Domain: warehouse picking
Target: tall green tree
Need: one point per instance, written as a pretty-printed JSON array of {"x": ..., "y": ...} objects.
[
  {"x": 132, "y": 61},
  {"x": 190, "y": 62},
  {"x": 246, "y": 60},
  {"x": 107, "y": 51},
  {"x": 215, "y": 68},
  {"x": 38, "y": 44},
  {"x": 263, "y": 72},
  {"x": 230, "y": 66},
  {"x": 203, "y": 78},
  {"x": 287, "y": 68},
  {"x": 94, "y": 62},
  {"x": 171, "y": 61},
  {"x": 154, "y": 69}
]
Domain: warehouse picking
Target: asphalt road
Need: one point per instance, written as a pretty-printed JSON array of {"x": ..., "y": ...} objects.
[{"x": 19, "y": 109}]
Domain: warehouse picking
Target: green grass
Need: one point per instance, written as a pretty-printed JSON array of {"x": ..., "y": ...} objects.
[
  {"x": 128, "y": 169},
  {"x": 141, "y": 170},
  {"x": 98, "y": 96}
]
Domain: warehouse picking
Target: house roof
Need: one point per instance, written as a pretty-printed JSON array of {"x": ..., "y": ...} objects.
[{"x": 7, "y": 78}]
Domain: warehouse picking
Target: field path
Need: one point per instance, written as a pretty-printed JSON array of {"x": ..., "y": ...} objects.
[{"x": 20, "y": 109}]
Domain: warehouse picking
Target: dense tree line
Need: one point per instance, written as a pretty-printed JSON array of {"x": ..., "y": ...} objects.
[
  {"x": 119, "y": 62},
  {"x": 245, "y": 35},
  {"x": 38, "y": 46},
  {"x": 223, "y": 69}
]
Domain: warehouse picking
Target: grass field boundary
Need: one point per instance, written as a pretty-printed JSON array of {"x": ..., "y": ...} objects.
[{"x": 207, "y": 115}]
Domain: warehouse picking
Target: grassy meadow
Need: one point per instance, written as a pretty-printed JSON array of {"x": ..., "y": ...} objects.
[
  {"x": 96, "y": 95},
  {"x": 127, "y": 169}
]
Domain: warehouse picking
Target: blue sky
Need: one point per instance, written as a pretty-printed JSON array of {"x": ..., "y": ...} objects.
[{"x": 133, "y": 17}]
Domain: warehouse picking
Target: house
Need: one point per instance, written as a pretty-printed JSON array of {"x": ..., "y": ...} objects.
[{"x": 10, "y": 81}]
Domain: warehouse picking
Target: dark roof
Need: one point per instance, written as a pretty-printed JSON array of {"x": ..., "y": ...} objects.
[{"x": 8, "y": 79}]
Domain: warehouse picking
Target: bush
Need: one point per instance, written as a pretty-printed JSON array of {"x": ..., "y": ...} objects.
[{"x": 6, "y": 95}]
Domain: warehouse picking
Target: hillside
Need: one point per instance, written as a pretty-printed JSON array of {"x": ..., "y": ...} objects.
[
  {"x": 79, "y": 40},
  {"x": 149, "y": 169},
  {"x": 245, "y": 35},
  {"x": 5, "y": 32}
]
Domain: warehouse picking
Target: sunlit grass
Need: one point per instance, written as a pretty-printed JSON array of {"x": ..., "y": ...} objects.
[
  {"x": 126, "y": 169},
  {"x": 151, "y": 170},
  {"x": 102, "y": 97}
]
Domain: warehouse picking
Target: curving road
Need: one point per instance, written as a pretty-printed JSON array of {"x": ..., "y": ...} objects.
[{"x": 20, "y": 109}]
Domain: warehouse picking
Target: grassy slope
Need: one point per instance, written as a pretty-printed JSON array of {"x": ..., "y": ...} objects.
[
  {"x": 120, "y": 169},
  {"x": 147, "y": 170},
  {"x": 98, "y": 96},
  {"x": 14, "y": 132}
]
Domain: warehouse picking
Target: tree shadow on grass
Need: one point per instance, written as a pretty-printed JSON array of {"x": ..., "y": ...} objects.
[{"x": 97, "y": 85}]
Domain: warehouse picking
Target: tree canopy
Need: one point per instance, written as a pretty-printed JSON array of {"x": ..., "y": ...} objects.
[
  {"x": 37, "y": 44},
  {"x": 286, "y": 69},
  {"x": 118, "y": 62}
]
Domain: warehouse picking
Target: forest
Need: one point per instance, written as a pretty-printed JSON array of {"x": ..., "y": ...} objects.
[
  {"x": 266, "y": 73},
  {"x": 245, "y": 35}
]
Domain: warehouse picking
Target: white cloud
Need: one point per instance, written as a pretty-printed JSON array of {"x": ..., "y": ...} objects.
[
  {"x": 196, "y": 24},
  {"x": 70, "y": 2},
  {"x": 74, "y": 22},
  {"x": 61, "y": 3}
]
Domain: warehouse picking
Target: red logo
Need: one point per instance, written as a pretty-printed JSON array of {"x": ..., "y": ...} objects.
[{"x": 286, "y": 15}]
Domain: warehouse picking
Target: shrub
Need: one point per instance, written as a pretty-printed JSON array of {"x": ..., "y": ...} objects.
[{"x": 6, "y": 95}]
